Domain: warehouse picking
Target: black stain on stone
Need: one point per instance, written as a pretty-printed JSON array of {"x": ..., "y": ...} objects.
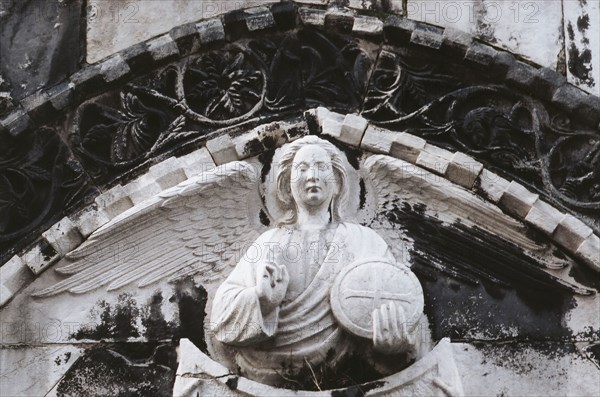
[
  {"x": 570, "y": 31},
  {"x": 116, "y": 321},
  {"x": 519, "y": 357},
  {"x": 593, "y": 353},
  {"x": 264, "y": 219},
  {"x": 583, "y": 23},
  {"x": 157, "y": 328},
  {"x": 580, "y": 59},
  {"x": 232, "y": 383},
  {"x": 119, "y": 370},
  {"x": 478, "y": 285},
  {"x": 363, "y": 194},
  {"x": 191, "y": 300}
]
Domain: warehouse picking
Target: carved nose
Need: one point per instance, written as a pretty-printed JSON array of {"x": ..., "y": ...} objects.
[{"x": 313, "y": 175}]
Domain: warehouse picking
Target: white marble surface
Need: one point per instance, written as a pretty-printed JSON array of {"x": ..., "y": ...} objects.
[
  {"x": 115, "y": 25},
  {"x": 34, "y": 371}
]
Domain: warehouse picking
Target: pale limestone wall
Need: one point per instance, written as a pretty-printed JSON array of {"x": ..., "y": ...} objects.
[{"x": 562, "y": 35}]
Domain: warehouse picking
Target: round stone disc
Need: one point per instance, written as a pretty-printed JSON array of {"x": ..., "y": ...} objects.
[{"x": 365, "y": 285}]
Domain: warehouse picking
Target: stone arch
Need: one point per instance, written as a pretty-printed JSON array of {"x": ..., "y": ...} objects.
[{"x": 533, "y": 98}]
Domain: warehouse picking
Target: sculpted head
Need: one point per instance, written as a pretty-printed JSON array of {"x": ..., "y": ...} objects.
[{"x": 311, "y": 174}]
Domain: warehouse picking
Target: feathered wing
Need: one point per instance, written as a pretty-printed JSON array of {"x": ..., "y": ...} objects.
[
  {"x": 465, "y": 237},
  {"x": 199, "y": 227}
]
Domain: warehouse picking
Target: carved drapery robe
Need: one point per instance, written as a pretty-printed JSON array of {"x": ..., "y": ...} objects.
[{"x": 303, "y": 329}]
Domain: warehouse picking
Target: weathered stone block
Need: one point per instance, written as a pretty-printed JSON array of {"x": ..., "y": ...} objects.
[
  {"x": 16, "y": 122},
  {"x": 398, "y": 30},
  {"x": 138, "y": 58},
  {"x": 61, "y": 96},
  {"x": 210, "y": 31},
  {"x": 407, "y": 147},
  {"x": 518, "y": 200},
  {"x": 89, "y": 220},
  {"x": 259, "y": 18},
  {"x": 163, "y": 48},
  {"x": 544, "y": 217},
  {"x": 196, "y": 162},
  {"x": 339, "y": 19},
  {"x": 222, "y": 149},
  {"x": 38, "y": 106},
  {"x": 521, "y": 75},
  {"x": 40, "y": 257},
  {"x": 114, "y": 68},
  {"x": 430, "y": 38},
  {"x": 167, "y": 173},
  {"x": 583, "y": 105},
  {"x": 87, "y": 82},
  {"x": 571, "y": 232},
  {"x": 589, "y": 251},
  {"x": 503, "y": 63},
  {"x": 14, "y": 275},
  {"x": 114, "y": 201},
  {"x": 463, "y": 170},
  {"x": 142, "y": 188},
  {"x": 353, "y": 129},
  {"x": 367, "y": 26},
  {"x": 63, "y": 236},
  {"x": 492, "y": 185},
  {"x": 377, "y": 140},
  {"x": 456, "y": 41},
  {"x": 186, "y": 37},
  {"x": 434, "y": 159},
  {"x": 311, "y": 17},
  {"x": 480, "y": 55},
  {"x": 546, "y": 81}
]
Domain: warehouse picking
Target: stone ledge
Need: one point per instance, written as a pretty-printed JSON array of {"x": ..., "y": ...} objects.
[
  {"x": 89, "y": 219},
  {"x": 14, "y": 275},
  {"x": 210, "y": 31},
  {"x": 480, "y": 55},
  {"x": 463, "y": 170},
  {"x": 312, "y": 17},
  {"x": 398, "y": 30},
  {"x": 163, "y": 49},
  {"x": 456, "y": 42},
  {"x": 429, "y": 38},
  {"x": 434, "y": 159},
  {"x": 544, "y": 217},
  {"x": 40, "y": 257},
  {"x": 338, "y": 19},
  {"x": 114, "y": 201},
  {"x": 589, "y": 251},
  {"x": 196, "y": 162},
  {"x": 367, "y": 26},
  {"x": 571, "y": 233},
  {"x": 259, "y": 18},
  {"x": 517, "y": 199},
  {"x": 492, "y": 185},
  {"x": 63, "y": 236}
]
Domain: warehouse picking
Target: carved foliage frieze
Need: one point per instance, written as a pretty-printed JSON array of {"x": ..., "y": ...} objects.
[
  {"x": 512, "y": 132},
  {"x": 238, "y": 84}
]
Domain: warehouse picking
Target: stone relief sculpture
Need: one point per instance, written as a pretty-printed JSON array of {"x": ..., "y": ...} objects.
[
  {"x": 277, "y": 308},
  {"x": 318, "y": 288}
]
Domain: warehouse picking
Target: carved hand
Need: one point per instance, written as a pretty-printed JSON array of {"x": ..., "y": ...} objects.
[
  {"x": 271, "y": 285},
  {"x": 390, "y": 330}
]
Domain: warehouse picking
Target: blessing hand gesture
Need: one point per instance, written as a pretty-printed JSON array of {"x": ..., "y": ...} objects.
[{"x": 271, "y": 285}]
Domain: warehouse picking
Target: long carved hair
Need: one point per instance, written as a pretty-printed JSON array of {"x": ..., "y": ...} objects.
[{"x": 284, "y": 191}]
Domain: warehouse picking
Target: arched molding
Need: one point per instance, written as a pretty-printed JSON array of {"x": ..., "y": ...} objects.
[
  {"x": 377, "y": 33},
  {"x": 561, "y": 228}
]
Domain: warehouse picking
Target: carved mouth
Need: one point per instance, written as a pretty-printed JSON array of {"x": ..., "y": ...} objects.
[{"x": 313, "y": 189}]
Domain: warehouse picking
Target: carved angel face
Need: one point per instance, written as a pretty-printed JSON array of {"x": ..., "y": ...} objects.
[{"x": 312, "y": 181}]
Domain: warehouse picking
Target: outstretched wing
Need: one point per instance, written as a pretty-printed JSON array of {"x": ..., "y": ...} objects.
[
  {"x": 198, "y": 227},
  {"x": 442, "y": 227}
]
